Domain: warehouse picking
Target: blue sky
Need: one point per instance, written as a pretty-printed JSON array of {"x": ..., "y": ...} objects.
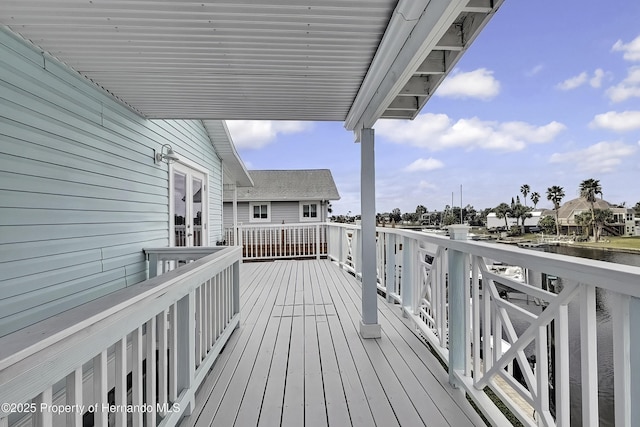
[{"x": 548, "y": 94}]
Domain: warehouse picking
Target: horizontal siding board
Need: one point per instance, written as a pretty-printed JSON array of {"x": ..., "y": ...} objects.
[
  {"x": 41, "y": 312},
  {"x": 34, "y": 233},
  {"x": 12, "y": 216},
  {"x": 20, "y": 302},
  {"x": 10, "y": 180},
  {"x": 19, "y": 48},
  {"x": 27, "y": 267},
  {"x": 17, "y": 199},
  {"x": 25, "y": 284},
  {"x": 33, "y": 250}
]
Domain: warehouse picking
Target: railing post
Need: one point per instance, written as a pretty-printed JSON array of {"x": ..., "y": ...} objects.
[
  {"x": 317, "y": 241},
  {"x": 236, "y": 289},
  {"x": 153, "y": 265},
  {"x": 457, "y": 312},
  {"x": 390, "y": 265},
  {"x": 406, "y": 283},
  {"x": 186, "y": 350}
]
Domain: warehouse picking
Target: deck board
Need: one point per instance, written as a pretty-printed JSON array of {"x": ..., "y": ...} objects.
[{"x": 298, "y": 359}]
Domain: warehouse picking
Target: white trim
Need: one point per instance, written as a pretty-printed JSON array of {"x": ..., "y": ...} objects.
[
  {"x": 309, "y": 218},
  {"x": 191, "y": 170},
  {"x": 252, "y": 219}
]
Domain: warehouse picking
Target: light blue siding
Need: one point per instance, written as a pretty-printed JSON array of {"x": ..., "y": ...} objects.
[
  {"x": 80, "y": 194},
  {"x": 281, "y": 212}
]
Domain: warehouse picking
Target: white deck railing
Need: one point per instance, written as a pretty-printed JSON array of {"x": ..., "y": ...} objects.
[
  {"x": 138, "y": 354},
  {"x": 462, "y": 306},
  {"x": 280, "y": 241}
]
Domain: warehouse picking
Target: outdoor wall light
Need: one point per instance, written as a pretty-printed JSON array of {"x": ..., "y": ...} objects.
[{"x": 166, "y": 155}]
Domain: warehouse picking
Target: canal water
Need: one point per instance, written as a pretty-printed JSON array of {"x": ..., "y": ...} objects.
[{"x": 605, "y": 337}]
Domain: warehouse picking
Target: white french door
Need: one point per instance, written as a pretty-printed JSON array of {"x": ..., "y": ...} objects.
[{"x": 188, "y": 206}]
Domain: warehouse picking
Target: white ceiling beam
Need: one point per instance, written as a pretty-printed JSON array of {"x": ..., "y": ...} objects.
[{"x": 452, "y": 39}]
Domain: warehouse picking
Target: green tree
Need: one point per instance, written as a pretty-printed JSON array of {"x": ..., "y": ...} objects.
[
  {"x": 420, "y": 210},
  {"x": 535, "y": 198},
  {"x": 548, "y": 224},
  {"x": 636, "y": 209},
  {"x": 589, "y": 188},
  {"x": 555, "y": 194},
  {"x": 503, "y": 210},
  {"x": 521, "y": 213},
  {"x": 600, "y": 218},
  {"x": 525, "y": 189},
  {"x": 396, "y": 215}
]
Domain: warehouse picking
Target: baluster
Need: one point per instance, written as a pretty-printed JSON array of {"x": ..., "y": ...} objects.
[
  {"x": 73, "y": 391},
  {"x": 136, "y": 374},
  {"x": 561, "y": 374},
  {"x": 163, "y": 364},
  {"x": 173, "y": 353},
  {"x": 406, "y": 285},
  {"x": 185, "y": 331},
  {"x": 43, "y": 400},
  {"x": 151, "y": 370},
  {"x": 475, "y": 297},
  {"x": 100, "y": 416},
  {"x": 542, "y": 376},
  {"x": 458, "y": 323}
]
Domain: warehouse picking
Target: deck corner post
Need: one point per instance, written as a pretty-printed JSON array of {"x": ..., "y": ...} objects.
[
  {"x": 626, "y": 352},
  {"x": 153, "y": 265},
  {"x": 457, "y": 312},
  {"x": 369, "y": 326}
]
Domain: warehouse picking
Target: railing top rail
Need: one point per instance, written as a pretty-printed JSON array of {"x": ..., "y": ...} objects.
[
  {"x": 292, "y": 224},
  {"x": 621, "y": 278},
  {"x": 122, "y": 307}
]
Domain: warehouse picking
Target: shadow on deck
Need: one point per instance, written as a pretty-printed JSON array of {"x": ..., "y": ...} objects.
[{"x": 298, "y": 359}]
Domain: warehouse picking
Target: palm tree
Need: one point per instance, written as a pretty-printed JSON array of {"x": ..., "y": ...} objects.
[
  {"x": 588, "y": 189},
  {"x": 503, "y": 210},
  {"x": 525, "y": 189},
  {"x": 535, "y": 198},
  {"x": 555, "y": 195}
]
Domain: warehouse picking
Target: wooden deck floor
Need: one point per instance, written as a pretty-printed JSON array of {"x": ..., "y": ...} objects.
[{"x": 298, "y": 359}]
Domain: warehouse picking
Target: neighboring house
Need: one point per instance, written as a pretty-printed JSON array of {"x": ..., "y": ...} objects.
[
  {"x": 493, "y": 222},
  {"x": 623, "y": 222},
  {"x": 281, "y": 197},
  {"x": 81, "y": 192}
]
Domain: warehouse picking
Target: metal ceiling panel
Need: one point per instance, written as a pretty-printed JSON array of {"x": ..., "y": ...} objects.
[{"x": 351, "y": 60}]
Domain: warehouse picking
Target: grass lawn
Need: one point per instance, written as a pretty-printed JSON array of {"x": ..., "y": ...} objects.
[{"x": 614, "y": 242}]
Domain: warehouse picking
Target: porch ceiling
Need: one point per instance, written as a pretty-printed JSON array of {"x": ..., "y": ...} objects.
[{"x": 346, "y": 60}]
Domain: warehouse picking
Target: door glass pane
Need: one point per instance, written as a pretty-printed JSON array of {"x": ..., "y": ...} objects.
[
  {"x": 196, "y": 187},
  {"x": 180, "y": 208}
]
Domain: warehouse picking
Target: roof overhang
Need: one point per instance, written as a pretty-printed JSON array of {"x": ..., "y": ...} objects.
[
  {"x": 344, "y": 60},
  {"x": 233, "y": 167}
]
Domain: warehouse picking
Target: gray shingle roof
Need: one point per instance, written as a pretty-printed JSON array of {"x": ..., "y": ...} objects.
[{"x": 280, "y": 185}]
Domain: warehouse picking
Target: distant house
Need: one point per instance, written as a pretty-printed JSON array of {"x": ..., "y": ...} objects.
[
  {"x": 623, "y": 223},
  {"x": 493, "y": 222},
  {"x": 281, "y": 197}
]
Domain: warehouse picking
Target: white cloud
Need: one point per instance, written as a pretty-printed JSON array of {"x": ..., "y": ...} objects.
[
  {"x": 602, "y": 157},
  {"x": 479, "y": 84},
  {"x": 426, "y": 185},
  {"x": 619, "y": 122},
  {"x": 627, "y": 88},
  {"x": 598, "y": 76},
  {"x": 439, "y": 132},
  {"x": 425, "y": 165},
  {"x": 258, "y": 133},
  {"x": 631, "y": 50},
  {"x": 573, "y": 82},
  {"x": 535, "y": 70}
]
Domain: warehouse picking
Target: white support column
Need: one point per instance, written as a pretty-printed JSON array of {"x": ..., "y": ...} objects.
[
  {"x": 369, "y": 326},
  {"x": 236, "y": 235}
]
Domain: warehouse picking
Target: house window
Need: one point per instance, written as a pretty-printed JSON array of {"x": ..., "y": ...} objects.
[
  {"x": 260, "y": 212},
  {"x": 309, "y": 211}
]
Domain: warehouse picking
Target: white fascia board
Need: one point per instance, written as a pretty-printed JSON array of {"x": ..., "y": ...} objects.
[
  {"x": 397, "y": 69},
  {"x": 233, "y": 165},
  {"x": 402, "y": 22}
]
